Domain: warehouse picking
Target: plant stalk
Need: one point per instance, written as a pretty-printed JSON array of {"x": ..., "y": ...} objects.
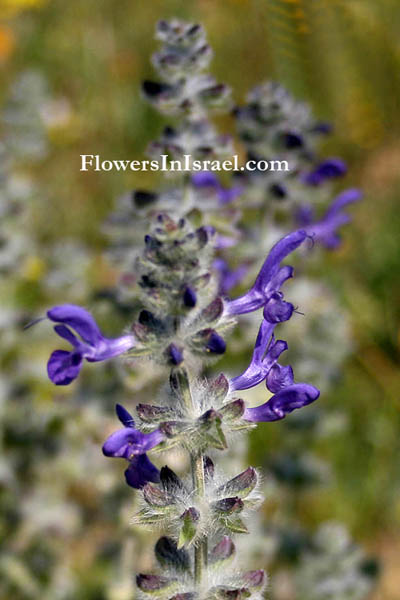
[{"x": 201, "y": 549}]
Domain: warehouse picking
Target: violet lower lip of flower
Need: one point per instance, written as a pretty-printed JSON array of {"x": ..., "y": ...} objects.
[
  {"x": 132, "y": 445},
  {"x": 325, "y": 230},
  {"x": 271, "y": 276},
  {"x": 283, "y": 403},
  {"x": 279, "y": 377},
  {"x": 63, "y": 366}
]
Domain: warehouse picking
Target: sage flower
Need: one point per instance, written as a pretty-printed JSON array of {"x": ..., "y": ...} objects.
[
  {"x": 279, "y": 379},
  {"x": 64, "y": 366},
  {"x": 266, "y": 289},
  {"x": 132, "y": 444}
]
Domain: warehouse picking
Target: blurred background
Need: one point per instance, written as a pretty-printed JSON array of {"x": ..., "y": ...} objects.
[{"x": 71, "y": 74}]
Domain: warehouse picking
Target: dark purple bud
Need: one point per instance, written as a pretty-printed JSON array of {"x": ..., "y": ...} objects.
[
  {"x": 141, "y": 198},
  {"x": 146, "y": 318},
  {"x": 169, "y": 132},
  {"x": 194, "y": 30},
  {"x": 170, "y": 481},
  {"x": 278, "y": 190},
  {"x": 168, "y": 555},
  {"x": 208, "y": 467},
  {"x": 241, "y": 485},
  {"x": 210, "y": 416},
  {"x": 189, "y": 297},
  {"x": 154, "y": 89},
  {"x": 175, "y": 355},
  {"x": 229, "y": 505},
  {"x": 291, "y": 140},
  {"x": 216, "y": 343}
]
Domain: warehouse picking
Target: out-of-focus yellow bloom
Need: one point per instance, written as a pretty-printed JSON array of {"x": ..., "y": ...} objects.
[
  {"x": 33, "y": 268},
  {"x": 7, "y": 43},
  {"x": 9, "y": 8}
]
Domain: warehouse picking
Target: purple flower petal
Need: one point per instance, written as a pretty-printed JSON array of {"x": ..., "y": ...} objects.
[
  {"x": 67, "y": 334},
  {"x": 328, "y": 169},
  {"x": 124, "y": 416},
  {"x": 216, "y": 343},
  {"x": 129, "y": 442},
  {"x": 189, "y": 297},
  {"x": 344, "y": 199},
  {"x": 140, "y": 471},
  {"x": 175, "y": 354},
  {"x": 205, "y": 179},
  {"x": 279, "y": 377},
  {"x": 283, "y": 403},
  {"x": 63, "y": 367},
  {"x": 78, "y": 319},
  {"x": 271, "y": 266},
  {"x": 260, "y": 365},
  {"x": 277, "y": 310}
]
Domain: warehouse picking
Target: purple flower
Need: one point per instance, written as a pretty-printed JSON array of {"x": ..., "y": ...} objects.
[
  {"x": 328, "y": 169},
  {"x": 324, "y": 230},
  {"x": 63, "y": 366},
  {"x": 269, "y": 281},
  {"x": 131, "y": 444},
  {"x": 266, "y": 352},
  {"x": 207, "y": 180},
  {"x": 282, "y": 403},
  {"x": 279, "y": 379}
]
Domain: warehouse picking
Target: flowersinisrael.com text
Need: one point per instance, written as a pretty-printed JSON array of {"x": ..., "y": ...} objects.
[{"x": 93, "y": 162}]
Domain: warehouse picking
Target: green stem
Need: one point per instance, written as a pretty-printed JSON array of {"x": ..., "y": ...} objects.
[
  {"x": 199, "y": 484},
  {"x": 201, "y": 550}
]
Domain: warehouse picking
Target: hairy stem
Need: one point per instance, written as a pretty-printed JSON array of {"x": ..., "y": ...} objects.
[{"x": 201, "y": 550}]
